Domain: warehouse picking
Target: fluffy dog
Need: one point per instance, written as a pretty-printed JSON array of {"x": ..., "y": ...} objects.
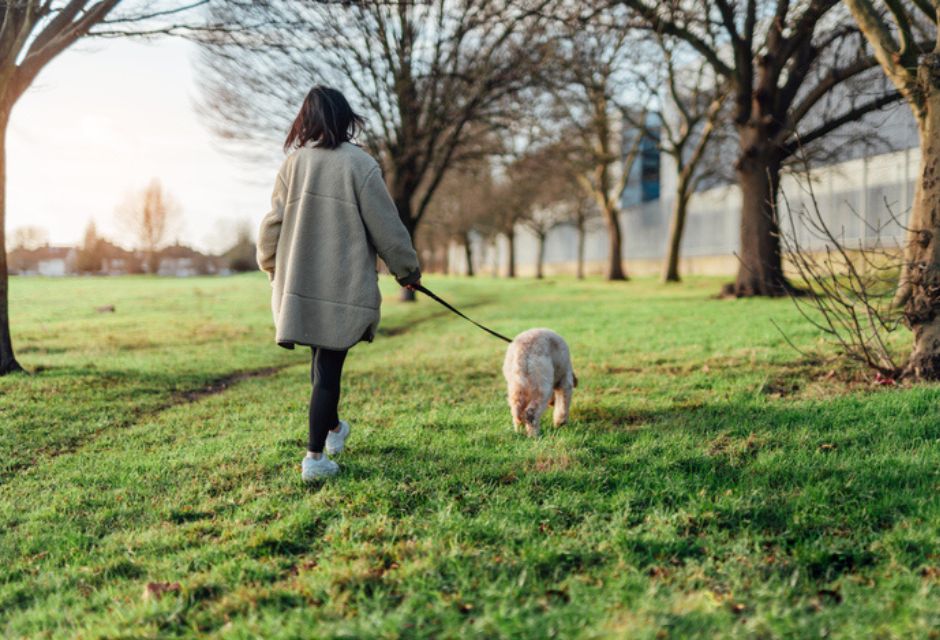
[{"x": 538, "y": 371}]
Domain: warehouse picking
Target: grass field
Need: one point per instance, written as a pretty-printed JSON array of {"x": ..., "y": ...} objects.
[{"x": 712, "y": 483}]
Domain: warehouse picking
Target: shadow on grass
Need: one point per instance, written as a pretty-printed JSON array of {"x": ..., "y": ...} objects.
[{"x": 821, "y": 483}]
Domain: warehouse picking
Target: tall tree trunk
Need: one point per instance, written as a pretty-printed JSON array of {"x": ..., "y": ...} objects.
[
  {"x": 468, "y": 253},
  {"x": 581, "y": 234},
  {"x": 615, "y": 269},
  {"x": 511, "y": 237},
  {"x": 680, "y": 207},
  {"x": 760, "y": 272},
  {"x": 8, "y": 363},
  {"x": 540, "y": 257},
  {"x": 922, "y": 308},
  {"x": 403, "y": 204}
]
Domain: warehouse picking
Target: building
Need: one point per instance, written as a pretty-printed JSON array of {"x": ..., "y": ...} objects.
[
  {"x": 43, "y": 261},
  {"x": 861, "y": 186},
  {"x": 182, "y": 261}
]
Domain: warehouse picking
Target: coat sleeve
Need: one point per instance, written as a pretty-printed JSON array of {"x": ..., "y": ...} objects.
[
  {"x": 270, "y": 230},
  {"x": 389, "y": 236}
]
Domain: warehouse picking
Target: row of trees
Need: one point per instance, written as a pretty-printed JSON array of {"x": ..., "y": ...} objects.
[
  {"x": 776, "y": 76},
  {"x": 446, "y": 83},
  {"x": 441, "y": 80}
]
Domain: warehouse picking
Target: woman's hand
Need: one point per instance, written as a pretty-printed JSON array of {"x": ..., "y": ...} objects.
[{"x": 414, "y": 285}]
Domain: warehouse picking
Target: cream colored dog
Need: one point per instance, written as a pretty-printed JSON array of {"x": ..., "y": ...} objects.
[{"x": 538, "y": 370}]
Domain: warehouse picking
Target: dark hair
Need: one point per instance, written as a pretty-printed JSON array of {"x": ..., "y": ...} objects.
[{"x": 326, "y": 119}]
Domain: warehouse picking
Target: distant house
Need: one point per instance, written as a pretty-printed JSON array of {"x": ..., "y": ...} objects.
[
  {"x": 182, "y": 261},
  {"x": 43, "y": 261},
  {"x": 107, "y": 258},
  {"x": 116, "y": 261}
]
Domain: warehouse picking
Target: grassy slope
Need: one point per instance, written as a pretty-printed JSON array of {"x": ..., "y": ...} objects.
[{"x": 710, "y": 482}]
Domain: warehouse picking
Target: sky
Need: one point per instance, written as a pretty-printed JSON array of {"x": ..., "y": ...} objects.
[{"x": 104, "y": 119}]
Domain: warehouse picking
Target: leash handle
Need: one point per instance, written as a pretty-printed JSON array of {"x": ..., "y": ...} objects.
[{"x": 441, "y": 301}]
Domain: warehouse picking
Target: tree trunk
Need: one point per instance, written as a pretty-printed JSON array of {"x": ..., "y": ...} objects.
[
  {"x": 511, "y": 237},
  {"x": 8, "y": 363},
  {"x": 403, "y": 204},
  {"x": 468, "y": 253},
  {"x": 922, "y": 309},
  {"x": 676, "y": 226},
  {"x": 615, "y": 269},
  {"x": 540, "y": 257},
  {"x": 153, "y": 261},
  {"x": 581, "y": 235},
  {"x": 760, "y": 272}
]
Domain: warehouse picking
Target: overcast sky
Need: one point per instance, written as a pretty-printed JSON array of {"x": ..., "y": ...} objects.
[{"x": 104, "y": 119}]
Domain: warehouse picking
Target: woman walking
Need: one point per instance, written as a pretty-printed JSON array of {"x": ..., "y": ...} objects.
[{"x": 330, "y": 215}]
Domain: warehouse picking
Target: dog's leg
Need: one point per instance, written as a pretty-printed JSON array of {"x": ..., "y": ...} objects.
[
  {"x": 533, "y": 415},
  {"x": 517, "y": 418},
  {"x": 517, "y": 405},
  {"x": 563, "y": 402}
]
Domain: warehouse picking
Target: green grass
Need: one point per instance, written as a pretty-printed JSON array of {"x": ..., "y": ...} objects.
[{"x": 712, "y": 482}]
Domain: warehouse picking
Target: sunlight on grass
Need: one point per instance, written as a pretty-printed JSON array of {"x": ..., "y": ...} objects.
[{"x": 711, "y": 483}]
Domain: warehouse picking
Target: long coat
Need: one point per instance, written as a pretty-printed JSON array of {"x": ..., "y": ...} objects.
[{"x": 330, "y": 214}]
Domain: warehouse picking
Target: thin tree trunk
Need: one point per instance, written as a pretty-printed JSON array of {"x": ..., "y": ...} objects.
[
  {"x": 468, "y": 253},
  {"x": 8, "y": 363},
  {"x": 923, "y": 254},
  {"x": 615, "y": 269},
  {"x": 153, "y": 261},
  {"x": 676, "y": 226},
  {"x": 403, "y": 204},
  {"x": 494, "y": 250},
  {"x": 540, "y": 258},
  {"x": 511, "y": 237},
  {"x": 760, "y": 272},
  {"x": 581, "y": 235}
]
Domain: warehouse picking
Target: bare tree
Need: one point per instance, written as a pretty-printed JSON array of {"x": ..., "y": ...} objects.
[
  {"x": 150, "y": 215},
  {"x": 557, "y": 199},
  {"x": 590, "y": 77},
  {"x": 690, "y": 116},
  {"x": 30, "y": 237},
  {"x": 904, "y": 36},
  {"x": 850, "y": 288},
  {"x": 541, "y": 221},
  {"x": 512, "y": 204},
  {"x": 462, "y": 205},
  {"x": 783, "y": 62},
  {"x": 90, "y": 256},
  {"x": 584, "y": 214},
  {"x": 520, "y": 189},
  {"x": 429, "y": 76},
  {"x": 32, "y": 34}
]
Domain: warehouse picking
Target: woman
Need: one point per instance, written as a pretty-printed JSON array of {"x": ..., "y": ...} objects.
[{"x": 330, "y": 215}]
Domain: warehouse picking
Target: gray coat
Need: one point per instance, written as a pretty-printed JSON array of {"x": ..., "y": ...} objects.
[{"x": 330, "y": 214}]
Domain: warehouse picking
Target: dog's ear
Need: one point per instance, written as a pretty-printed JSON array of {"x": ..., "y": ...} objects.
[{"x": 575, "y": 378}]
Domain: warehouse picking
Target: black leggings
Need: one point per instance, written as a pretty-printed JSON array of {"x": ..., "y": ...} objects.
[{"x": 325, "y": 373}]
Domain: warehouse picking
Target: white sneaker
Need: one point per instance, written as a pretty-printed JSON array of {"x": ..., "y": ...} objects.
[
  {"x": 312, "y": 469},
  {"x": 336, "y": 441}
]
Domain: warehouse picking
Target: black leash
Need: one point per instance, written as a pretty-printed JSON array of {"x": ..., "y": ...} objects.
[{"x": 434, "y": 297}]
